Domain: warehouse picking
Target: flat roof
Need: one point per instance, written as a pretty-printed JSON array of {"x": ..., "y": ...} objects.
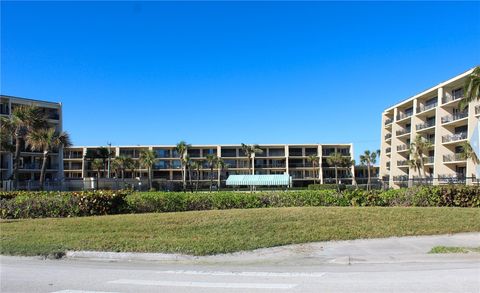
[
  {"x": 459, "y": 76},
  {"x": 31, "y": 100},
  {"x": 212, "y": 145}
]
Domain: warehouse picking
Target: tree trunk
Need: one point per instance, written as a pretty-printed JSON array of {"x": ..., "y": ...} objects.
[
  {"x": 44, "y": 167},
  {"x": 219, "y": 173},
  {"x": 150, "y": 183},
  {"x": 198, "y": 180},
  {"x": 368, "y": 178},
  {"x": 184, "y": 177},
  {"x": 190, "y": 179},
  {"x": 211, "y": 178},
  {"x": 336, "y": 178},
  {"x": 16, "y": 161}
]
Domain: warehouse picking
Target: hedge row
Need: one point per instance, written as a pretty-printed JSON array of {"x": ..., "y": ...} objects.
[{"x": 69, "y": 204}]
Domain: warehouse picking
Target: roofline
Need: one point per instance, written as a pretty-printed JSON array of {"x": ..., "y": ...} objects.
[
  {"x": 209, "y": 145},
  {"x": 32, "y": 100},
  {"x": 459, "y": 76}
]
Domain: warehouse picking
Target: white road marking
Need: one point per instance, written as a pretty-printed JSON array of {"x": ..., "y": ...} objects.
[
  {"x": 204, "y": 284},
  {"x": 81, "y": 291},
  {"x": 245, "y": 274}
]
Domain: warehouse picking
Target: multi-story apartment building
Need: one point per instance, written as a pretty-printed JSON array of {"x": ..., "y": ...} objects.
[
  {"x": 275, "y": 159},
  {"x": 435, "y": 115},
  {"x": 30, "y": 161}
]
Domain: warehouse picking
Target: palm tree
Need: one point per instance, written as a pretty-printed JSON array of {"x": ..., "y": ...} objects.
[
  {"x": 24, "y": 119},
  {"x": 468, "y": 153},
  {"x": 197, "y": 165},
  {"x": 250, "y": 151},
  {"x": 182, "y": 148},
  {"x": 103, "y": 153},
  {"x": 97, "y": 164},
  {"x": 188, "y": 166},
  {"x": 336, "y": 160},
  {"x": 314, "y": 160},
  {"x": 221, "y": 165},
  {"x": 46, "y": 140},
  {"x": 369, "y": 159},
  {"x": 471, "y": 89},
  {"x": 212, "y": 162},
  {"x": 123, "y": 163},
  {"x": 147, "y": 160},
  {"x": 418, "y": 150}
]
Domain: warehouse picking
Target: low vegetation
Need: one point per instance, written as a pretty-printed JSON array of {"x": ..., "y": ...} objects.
[
  {"x": 223, "y": 231},
  {"x": 70, "y": 204},
  {"x": 454, "y": 249}
]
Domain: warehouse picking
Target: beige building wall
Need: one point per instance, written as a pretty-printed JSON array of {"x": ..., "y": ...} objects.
[{"x": 435, "y": 115}]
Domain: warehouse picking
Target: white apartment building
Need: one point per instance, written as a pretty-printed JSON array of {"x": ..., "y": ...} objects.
[{"x": 435, "y": 115}]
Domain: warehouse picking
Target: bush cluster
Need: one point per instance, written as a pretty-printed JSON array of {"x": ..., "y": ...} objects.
[{"x": 68, "y": 204}]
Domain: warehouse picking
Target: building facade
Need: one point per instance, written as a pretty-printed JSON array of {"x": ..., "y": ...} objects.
[
  {"x": 435, "y": 115},
  {"x": 31, "y": 161},
  {"x": 275, "y": 159}
]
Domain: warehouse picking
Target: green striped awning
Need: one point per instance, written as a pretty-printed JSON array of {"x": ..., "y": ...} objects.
[{"x": 259, "y": 180}]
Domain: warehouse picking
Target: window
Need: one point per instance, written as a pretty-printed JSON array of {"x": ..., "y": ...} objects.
[{"x": 162, "y": 153}]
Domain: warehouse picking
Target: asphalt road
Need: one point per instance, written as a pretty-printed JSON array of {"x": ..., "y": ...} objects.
[{"x": 291, "y": 269}]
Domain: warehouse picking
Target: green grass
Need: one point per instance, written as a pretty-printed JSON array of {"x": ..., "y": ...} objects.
[
  {"x": 454, "y": 249},
  {"x": 221, "y": 231}
]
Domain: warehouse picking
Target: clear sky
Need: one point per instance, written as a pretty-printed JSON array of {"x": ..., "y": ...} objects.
[{"x": 217, "y": 72}]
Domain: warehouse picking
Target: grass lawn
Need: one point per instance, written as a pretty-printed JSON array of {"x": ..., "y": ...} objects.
[{"x": 220, "y": 231}]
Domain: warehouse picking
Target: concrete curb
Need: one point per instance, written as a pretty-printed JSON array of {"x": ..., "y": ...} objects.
[{"x": 381, "y": 250}]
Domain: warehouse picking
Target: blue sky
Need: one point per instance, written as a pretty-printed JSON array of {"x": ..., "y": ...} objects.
[{"x": 223, "y": 72}]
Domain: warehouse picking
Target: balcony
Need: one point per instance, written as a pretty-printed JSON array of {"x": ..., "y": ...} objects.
[
  {"x": 401, "y": 116},
  {"x": 423, "y": 108},
  {"x": 388, "y": 121},
  {"x": 429, "y": 160},
  {"x": 402, "y": 132},
  {"x": 454, "y": 137},
  {"x": 477, "y": 110},
  {"x": 453, "y": 158},
  {"x": 400, "y": 178},
  {"x": 388, "y": 136},
  {"x": 427, "y": 124},
  {"x": 454, "y": 117},
  {"x": 401, "y": 148},
  {"x": 451, "y": 98},
  {"x": 402, "y": 163},
  {"x": 388, "y": 150}
]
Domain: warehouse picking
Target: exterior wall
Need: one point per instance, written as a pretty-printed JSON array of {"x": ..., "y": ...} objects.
[
  {"x": 31, "y": 161},
  {"x": 434, "y": 115},
  {"x": 275, "y": 159}
]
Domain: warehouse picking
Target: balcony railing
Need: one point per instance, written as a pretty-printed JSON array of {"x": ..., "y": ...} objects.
[
  {"x": 425, "y": 125},
  {"x": 388, "y": 150},
  {"x": 453, "y": 158},
  {"x": 401, "y": 116},
  {"x": 388, "y": 135},
  {"x": 449, "y": 98},
  {"x": 400, "y": 178},
  {"x": 422, "y": 108},
  {"x": 429, "y": 160},
  {"x": 454, "y": 137},
  {"x": 388, "y": 121},
  {"x": 456, "y": 116},
  {"x": 402, "y": 163},
  {"x": 402, "y": 132},
  {"x": 402, "y": 147}
]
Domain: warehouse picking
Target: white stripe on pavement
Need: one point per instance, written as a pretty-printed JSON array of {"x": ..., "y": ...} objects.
[
  {"x": 245, "y": 274},
  {"x": 204, "y": 284},
  {"x": 81, "y": 291}
]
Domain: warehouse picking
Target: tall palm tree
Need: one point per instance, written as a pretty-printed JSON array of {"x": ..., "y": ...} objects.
[
  {"x": 197, "y": 165},
  {"x": 418, "y": 150},
  {"x": 221, "y": 165},
  {"x": 471, "y": 88},
  {"x": 46, "y": 140},
  {"x": 468, "y": 153},
  {"x": 188, "y": 166},
  {"x": 182, "y": 148},
  {"x": 336, "y": 160},
  {"x": 147, "y": 160},
  {"x": 369, "y": 159},
  {"x": 22, "y": 121},
  {"x": 122, "y": 163},
  {"x": 97, "y": 164},
  {"x": 103, "y": 153},
  {"x": 250, "y": 151},
  {"x": 314, "y": 159},
  {"x": 212, "y": 162}
]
